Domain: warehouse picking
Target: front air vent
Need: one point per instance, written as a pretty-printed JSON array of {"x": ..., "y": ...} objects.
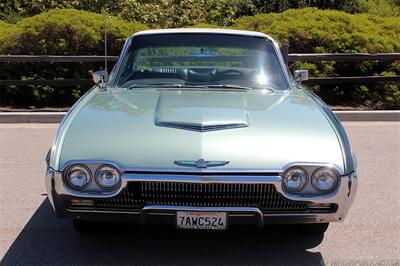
[{"x": 199, "y": 127}]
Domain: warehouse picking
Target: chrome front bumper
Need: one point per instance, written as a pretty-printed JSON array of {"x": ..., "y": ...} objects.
[{"x": 60, "y": 196}]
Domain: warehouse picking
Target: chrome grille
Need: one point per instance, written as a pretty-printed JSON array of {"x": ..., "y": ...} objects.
[{"x": 140, "y": 194}]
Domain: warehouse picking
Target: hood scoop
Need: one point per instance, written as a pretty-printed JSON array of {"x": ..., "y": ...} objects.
[{"x": 201, "y": 111}]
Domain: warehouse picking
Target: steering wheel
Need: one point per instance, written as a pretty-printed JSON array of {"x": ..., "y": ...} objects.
[
  {"x": 234, "y": 73},
  {"x": 201, "y": 75}
]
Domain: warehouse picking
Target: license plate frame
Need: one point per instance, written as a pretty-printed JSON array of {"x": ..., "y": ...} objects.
[{"x": 202, "y": 220}]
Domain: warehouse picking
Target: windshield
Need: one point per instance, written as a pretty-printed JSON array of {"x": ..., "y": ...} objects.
[{"x": 201, "y": 60}]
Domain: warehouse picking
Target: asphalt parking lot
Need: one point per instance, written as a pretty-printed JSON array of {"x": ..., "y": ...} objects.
[{"x": 31, "y": 235}]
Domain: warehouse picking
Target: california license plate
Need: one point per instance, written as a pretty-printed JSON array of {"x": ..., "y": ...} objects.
[{"x": 201, "y": 220}]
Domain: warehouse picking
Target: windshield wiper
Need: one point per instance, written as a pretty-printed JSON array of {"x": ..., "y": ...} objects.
[
  {"x": 159, "y": 85},
  {"x": 207, "y": 86},
  {"x": 239, "y": 87},
  {"x": 226, "y": 86}
]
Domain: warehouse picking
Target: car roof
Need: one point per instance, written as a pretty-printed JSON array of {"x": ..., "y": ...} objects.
[{"x": 203, "y": 30}]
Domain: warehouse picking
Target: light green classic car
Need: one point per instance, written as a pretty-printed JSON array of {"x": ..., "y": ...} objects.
[{"x": 201, "y": 129}]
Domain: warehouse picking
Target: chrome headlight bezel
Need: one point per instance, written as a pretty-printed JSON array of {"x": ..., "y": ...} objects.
[
  {"x": 335, "y": 183},
  {"x": 110, "y": 168},
  {"x": 82, "y": 167},
  {"x": 285, "y": 178}
]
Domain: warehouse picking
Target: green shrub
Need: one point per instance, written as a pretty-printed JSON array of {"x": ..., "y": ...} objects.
[
  {"x": 311, "y": 30},
  {"x": 157, "y": 13},
  {"x": 274, "y": 6},
  {"x": 67, "y": 31},
  {"x": 382, "y": 8},
  {"x": 180, "y": 13},
  {"x": 57, "y": 32},
  {"x": 317, "y": 31},
  {"x": 177, "y": 13},
  {"x": 6, "y": 30},
  {"x": 14, "y": 10}
]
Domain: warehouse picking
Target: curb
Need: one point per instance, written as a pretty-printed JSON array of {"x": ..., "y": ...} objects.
[
  {"x": 31, "y": 117},
  {"x": 384, "y": 115},
  {"x": 56, "y": 117}
]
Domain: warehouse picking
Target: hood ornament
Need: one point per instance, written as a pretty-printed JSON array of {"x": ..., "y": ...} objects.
[{"x": 201, "y": 163}]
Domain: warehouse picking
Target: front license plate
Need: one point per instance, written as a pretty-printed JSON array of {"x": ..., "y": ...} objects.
[{"x": 201, "y": 220}]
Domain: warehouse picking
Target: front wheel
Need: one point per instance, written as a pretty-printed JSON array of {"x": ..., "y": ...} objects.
[{"x": 314, "y": 228}]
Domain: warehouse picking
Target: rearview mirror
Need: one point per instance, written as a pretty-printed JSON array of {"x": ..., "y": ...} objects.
[
  {"x": 300, "y": 75},
  {"x": 100, "y": 78}
]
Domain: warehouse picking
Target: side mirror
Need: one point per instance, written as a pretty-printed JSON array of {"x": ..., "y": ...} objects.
[
  {"x": 100, "y": 78},
  {"x": 300, "y": 76}
]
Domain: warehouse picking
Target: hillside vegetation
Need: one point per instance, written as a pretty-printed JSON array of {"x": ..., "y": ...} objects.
[
  {"x": 316, "y": 31},
  {"x": 307, "y": 30},
  {"x": 180, "y": 13},
  {"x": 57, "y": 32}
]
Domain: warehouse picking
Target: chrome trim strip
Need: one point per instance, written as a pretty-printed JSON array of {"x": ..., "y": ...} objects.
[
  {"x": 94, "y": 194},
  {"x": 202, "y": 31},
  {"x": 104, "y": 211},
  {"x": 203, "y": 170},
  {"x": 281, "y": 62},
  {"x": 203, "y": 179},
  {"x": 314, "y": 164},
  {"x": 205, "y": 209},
  {"x": 194, "y": 170},
  {"x": 297, "y": 214},
  {"x": 163, "y": 213},
  {"x": 86, "y": 162},
  {"x": 240, "y": 215},
  {"x": 127, "y": 44}
]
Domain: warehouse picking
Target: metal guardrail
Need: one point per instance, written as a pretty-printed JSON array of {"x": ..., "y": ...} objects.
[
  {"x": 344, "y": 57},
  {"x": 351, "y": 80},
  {"x": 48, "y": 82},
  {"x": 287, "y": 58},
  {"x": 55, "y": 58}
]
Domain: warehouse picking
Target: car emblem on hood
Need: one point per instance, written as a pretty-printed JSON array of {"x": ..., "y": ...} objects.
[{"x": 201, "y": 163}]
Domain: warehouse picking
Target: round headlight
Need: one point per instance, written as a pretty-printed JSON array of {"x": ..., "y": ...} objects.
[
  {"x": 295, "y": 179},
  {"x": 107, "y": 177},
  {"x": 324, "y": 179},
  {"x": 78, "y": 176}
]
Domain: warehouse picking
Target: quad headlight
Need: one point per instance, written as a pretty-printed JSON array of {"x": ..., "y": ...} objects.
[
  {"x": 324, "y": 179},
  {"x": 78, "y": 176},
  {"x": 107, "y": 177},
  {"x": 295, "y": 179}
]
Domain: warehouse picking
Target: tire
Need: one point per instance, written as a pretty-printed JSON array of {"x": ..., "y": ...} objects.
[
  {"x": 314, "y": 228},
  {"x": 84, "y": 227}
]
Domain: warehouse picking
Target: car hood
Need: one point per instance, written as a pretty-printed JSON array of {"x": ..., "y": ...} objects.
[{"x": 152, "y": 128}]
